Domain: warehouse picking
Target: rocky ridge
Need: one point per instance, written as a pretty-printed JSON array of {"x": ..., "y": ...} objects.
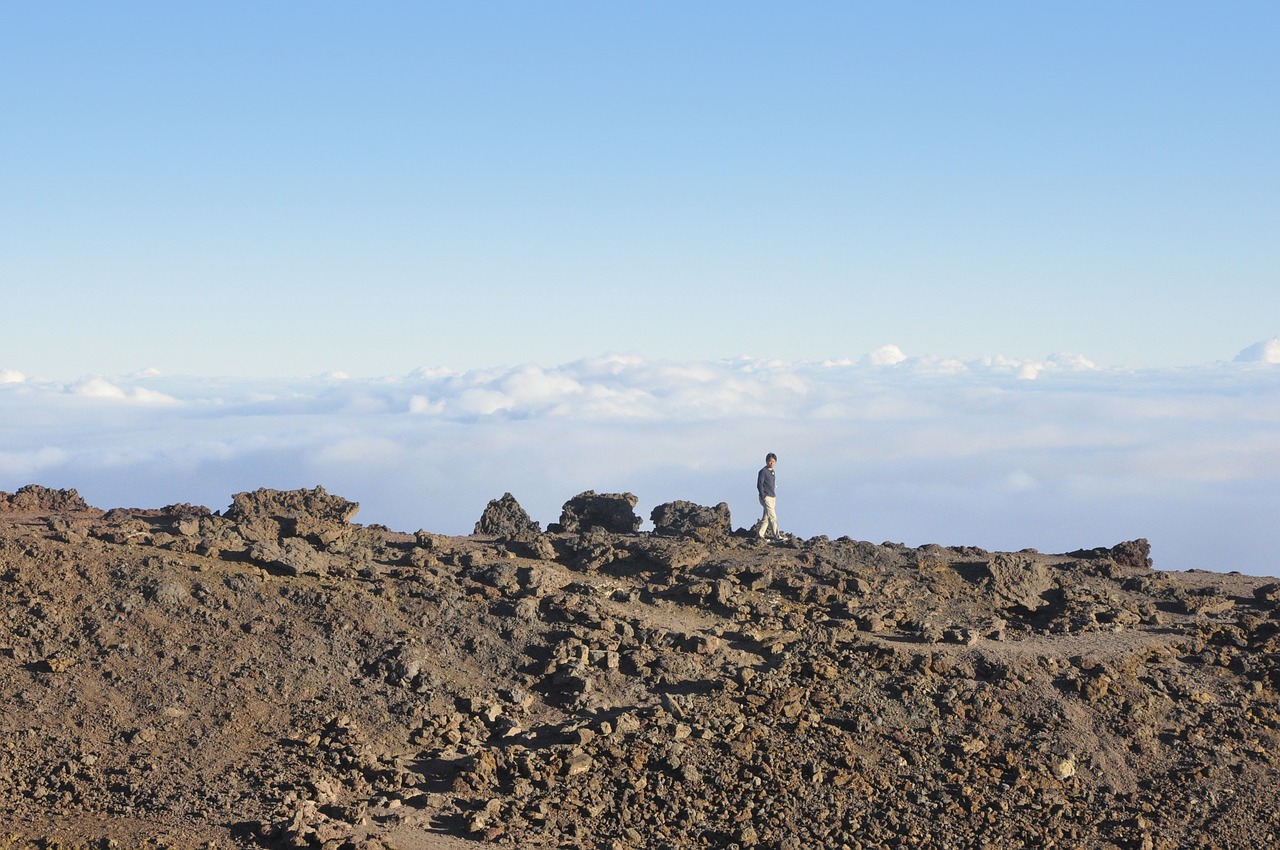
[{"x": 278, "y": 676}]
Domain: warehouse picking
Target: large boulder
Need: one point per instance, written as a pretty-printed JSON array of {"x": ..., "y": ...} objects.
[
  {"x": 612, "y": 512},
  {"x": 270, "y": 515},
  {"x": 1131, "y": 553},
  {"x": 505, "y": 518},
  {"x": 670, "y": 555},
  {"x": 686, "y": 519},
  {"x": 292, "y": 556},
  {"x": 1020, "y": 580}
]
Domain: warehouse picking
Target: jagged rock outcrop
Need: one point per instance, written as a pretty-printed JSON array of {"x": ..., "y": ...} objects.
[
  {"x": 505, "y": 518},
  {"x": 34, "y": 497},
  {"x": 1020, "y": 580},
  {"x": 1131, "y": 553},
  {"x": 687, "y": 519},
  {"x": 611, "y": 512},
  {"x": 268, "y": 516},
  {"x": 299, "y": 532}
]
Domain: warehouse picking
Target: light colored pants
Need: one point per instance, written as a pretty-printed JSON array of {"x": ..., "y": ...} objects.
[{"x": 769, "y": 522}]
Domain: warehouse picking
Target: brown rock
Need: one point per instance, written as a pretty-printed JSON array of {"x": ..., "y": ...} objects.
[
  {"x": 686, "y": 519},
  {"x": 610, "y": 512}
]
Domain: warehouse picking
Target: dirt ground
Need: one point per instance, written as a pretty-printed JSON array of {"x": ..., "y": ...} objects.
[{"x": 276, "y": 675}]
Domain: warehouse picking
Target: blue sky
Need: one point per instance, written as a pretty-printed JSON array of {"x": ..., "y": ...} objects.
[
  {"x": 290, "y": 188},
  {"x": 1002, "y": 274}
]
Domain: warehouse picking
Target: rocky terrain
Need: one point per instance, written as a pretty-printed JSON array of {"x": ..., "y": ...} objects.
[{"x": 275, "y": 675}]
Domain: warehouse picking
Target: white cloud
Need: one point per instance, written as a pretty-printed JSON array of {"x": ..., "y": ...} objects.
[
  {"x": 530, "y": 387},
  {"x": 23, "y": 464},
  {"x": 1267, "y": 352},
  {"x": 886, "y": 355},
  {"x": 422, "y": 404},
  {"x": 142, "y": 395},
  {"x": 97, "y": 388},
  {"x": 9, "y": 376},
  {"x": 101, "y": 388},
  {"x": 1073, "y": 362},
  {"x": 934, "y": 365},
  {"x": 483, "y": 402},
  {"x": 933, "y": 449}
]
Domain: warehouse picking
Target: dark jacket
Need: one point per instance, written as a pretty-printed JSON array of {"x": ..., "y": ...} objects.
[{"x": 765, "y": 483}]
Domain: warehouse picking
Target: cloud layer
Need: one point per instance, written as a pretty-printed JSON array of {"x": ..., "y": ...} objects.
[{"x": 1055, "y": 454}]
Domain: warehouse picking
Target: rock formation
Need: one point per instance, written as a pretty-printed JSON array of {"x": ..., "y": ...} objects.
[
  {"x": 610, "y": 512},
  {"x": 33, "y": 497},
  {"x": 505, "y": 518},
  {"x": 686, "y": 519}
]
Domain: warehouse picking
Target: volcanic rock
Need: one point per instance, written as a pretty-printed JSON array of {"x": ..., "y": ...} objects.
[
  {"x": 686, "y": 519},
  {"x": 34, "y": 497},
  {"x": 1131, "y": 553},
  {"x": 1020, "y": 580},
  {"x": 279, "y": 677},
  {"x": 505, "y": 518},
  {"x": 271, "y": 515},
  {"x": 609, "y": 512}
]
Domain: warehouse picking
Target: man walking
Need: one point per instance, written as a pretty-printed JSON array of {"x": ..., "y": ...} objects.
[{"x": 768, "y": 498}]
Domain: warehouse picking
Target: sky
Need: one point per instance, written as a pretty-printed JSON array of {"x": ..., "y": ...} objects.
[{"x": 1020, "y": 245}]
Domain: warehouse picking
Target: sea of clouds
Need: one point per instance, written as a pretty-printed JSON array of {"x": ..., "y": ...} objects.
[{"x": 1056, "y": 455}]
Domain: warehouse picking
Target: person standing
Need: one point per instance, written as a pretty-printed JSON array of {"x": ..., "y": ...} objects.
[{"x": 767, "y": 489}]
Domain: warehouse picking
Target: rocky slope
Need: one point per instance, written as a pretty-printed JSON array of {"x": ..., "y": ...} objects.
[{"x": 276, "y": 676}]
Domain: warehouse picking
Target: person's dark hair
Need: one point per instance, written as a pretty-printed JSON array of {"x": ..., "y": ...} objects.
[{"x": 770, "y": 456}]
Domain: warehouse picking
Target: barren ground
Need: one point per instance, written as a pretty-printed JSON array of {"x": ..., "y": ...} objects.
[{"x": 274, "y": 675}]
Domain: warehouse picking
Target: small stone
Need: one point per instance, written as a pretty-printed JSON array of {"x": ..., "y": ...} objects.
[{"x": 578, "y": 763}]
